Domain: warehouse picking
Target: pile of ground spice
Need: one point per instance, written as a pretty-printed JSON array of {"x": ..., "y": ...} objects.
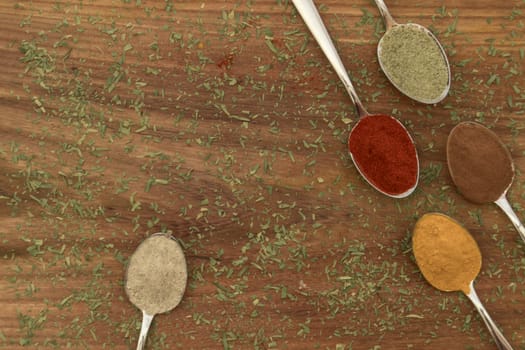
[
  {"x": 479, "y": 163},
  {"x": 156, "y": 275},
  {"x": 445, "y": 252},
  {"x": 413, "y": 61},
  {"x": 384, "y": 153}
]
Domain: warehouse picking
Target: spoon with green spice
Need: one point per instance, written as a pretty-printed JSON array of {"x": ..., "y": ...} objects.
[
  {"x": 156, "y": 278},
  {"x": 413, "y": 59},
  {"x": 380, "y": 146}
]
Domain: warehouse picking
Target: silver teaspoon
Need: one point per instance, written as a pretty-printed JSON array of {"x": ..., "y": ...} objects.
[
  {"x": 422, "y": 76},
  {"x": 381, "y": 181},
  {"x": 156, "y": 278}
]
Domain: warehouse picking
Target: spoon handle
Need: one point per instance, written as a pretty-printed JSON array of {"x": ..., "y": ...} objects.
[
  {"x": 311, "y": 17},
  {"x": 498, "y": 337},
  {"x": 144, "y": 328},
  {"x": 387, "y": 17},
  {"x": 504, "y": 204}
]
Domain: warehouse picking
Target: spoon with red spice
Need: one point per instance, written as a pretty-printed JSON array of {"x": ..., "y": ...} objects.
[{"x": 380, "y": 146}]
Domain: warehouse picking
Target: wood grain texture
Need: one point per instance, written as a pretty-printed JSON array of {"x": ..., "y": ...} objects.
[{"x": 223, "y": 122}]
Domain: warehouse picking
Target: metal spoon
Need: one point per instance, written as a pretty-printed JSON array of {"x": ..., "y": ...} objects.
[
  {"x": 311, "y": 17},
  {"x": 498, "y": 337},
  {"x": 423, "y": 240},
  {"x": 471, "y": 189},
  {"x": 175, "y": 295},
  {"x": 391, "y": 23},
  {"x": 504, "y": 204}
]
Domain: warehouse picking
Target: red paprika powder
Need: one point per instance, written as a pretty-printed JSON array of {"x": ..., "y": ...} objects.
[{"x": 384, "y": 153}]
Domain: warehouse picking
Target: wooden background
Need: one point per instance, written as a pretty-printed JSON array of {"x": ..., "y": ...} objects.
[{"x": 223, "y": 122}]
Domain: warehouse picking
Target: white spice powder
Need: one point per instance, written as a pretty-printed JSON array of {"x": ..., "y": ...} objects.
[{"x": 157, "y": 275}]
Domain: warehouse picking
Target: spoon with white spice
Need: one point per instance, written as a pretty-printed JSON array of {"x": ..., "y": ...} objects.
[
  {"x": 156, "y": 278},
  {"x": 413, "y": 59}
]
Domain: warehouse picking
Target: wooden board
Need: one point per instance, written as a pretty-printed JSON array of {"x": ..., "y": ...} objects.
[{"x": 223, "y": 122}]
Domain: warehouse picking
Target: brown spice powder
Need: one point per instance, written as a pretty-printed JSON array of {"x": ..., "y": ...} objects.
[
  {"x": 157, "y": 275},
  {"x": 385, "y": 154},
  {"x": 479, "y": 163}
]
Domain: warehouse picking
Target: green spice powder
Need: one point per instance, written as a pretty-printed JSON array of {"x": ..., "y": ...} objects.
[{"x": 414, "y": 63}]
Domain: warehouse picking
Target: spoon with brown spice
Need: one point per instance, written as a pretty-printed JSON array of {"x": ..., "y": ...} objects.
[
  {"x": 380, "y": 146},
  {"x": 450, "y": 260},
  {"x": 156, "y": 278},
  {"x": 481, "y": 167},
  {"x": 413, "y": 59}
]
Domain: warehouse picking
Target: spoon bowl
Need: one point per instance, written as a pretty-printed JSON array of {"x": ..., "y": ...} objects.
[
  {"x": 450, "y": 260},
  {"x": 409, "y": 80},
  {"x": 312, "y": 19},
  {"x": 481, "y": 167},
  {"x": 370, "y": 154},
  {"x": 156, "y": 278}
]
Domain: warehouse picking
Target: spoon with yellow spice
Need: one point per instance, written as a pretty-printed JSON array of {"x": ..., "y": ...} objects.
[{"x": 449, "y": 259}]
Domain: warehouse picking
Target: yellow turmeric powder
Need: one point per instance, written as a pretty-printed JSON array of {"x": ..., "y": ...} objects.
[{"x": 445, "y": 252}]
